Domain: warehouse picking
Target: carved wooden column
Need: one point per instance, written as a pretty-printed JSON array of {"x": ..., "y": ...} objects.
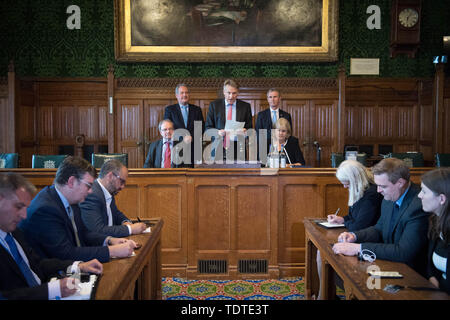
[
  {"x": 10, "y": 123},
  {"x": 341, "y": 110},
  {"x": 438, "y": 103},
  {"x": 111, "y": 131}
]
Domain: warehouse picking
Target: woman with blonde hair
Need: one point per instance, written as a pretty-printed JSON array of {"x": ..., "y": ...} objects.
[
  {"x": 282, "y": 141},
  {"x": 435, "y": 196},
  {"x": 363, "y": 199}
]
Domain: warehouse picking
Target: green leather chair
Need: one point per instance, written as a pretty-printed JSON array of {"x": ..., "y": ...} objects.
[
  {"x": 98, "y": 159},
  {"x": 442, "y": 159},
  {"x": 47, "y": 161},
  {"x": 337, "y": 158},
  {"x": 413, "y": 159},
  {"x": 9, "y": 160}
]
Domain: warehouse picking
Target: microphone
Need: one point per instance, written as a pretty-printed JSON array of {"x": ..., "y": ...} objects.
[{"x": 287, "y": 156}]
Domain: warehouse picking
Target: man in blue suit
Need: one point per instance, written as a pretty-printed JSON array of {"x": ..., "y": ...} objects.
[
  {"x": 401, "y": 232},
  {"x": 54, "y": 226},
  {"x": 23, "y": 274},
  {"x": 184, "y": 115},
  {"x": 99, "y": 211},
  {"x": 267, "y": 118}
]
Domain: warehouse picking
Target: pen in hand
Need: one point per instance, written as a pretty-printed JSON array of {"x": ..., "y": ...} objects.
[{"x": 331, "y": 218}]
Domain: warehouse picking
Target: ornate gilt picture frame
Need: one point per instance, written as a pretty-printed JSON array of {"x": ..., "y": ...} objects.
[{"x": 226, "y": 31}]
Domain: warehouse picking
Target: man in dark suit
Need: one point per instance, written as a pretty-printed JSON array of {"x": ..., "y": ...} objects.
[
  {"x": 99, "y": 211},
  {"x": 229, "y": 108},
  {"x": 54, "y": 226},
  {"x": 23, "y": 274},
  {"x": 401, "y": 232},
  {"x": 163, "y": 153},
  {"x": 183, "y": 116},
  {"x": 267, "y": 118}
]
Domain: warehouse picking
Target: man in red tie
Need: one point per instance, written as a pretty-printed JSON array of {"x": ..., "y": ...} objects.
[
  {"x": 161, "y": 152},
  {"x": 229, "y": 108}
]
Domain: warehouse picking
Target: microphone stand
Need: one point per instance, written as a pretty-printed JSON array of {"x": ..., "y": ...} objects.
[{"x": 319, "y": 149}]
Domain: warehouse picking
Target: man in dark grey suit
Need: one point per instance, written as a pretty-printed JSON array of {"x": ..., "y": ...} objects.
[
  {"x": 162, "y": 153},
  {"x": 184, "y": 115},
  {"x": 401, "y": 232},
  {"x": 99, "y": 211},
  {"x": 229, "y": 108},
  {"x": 267, "y": 118}
]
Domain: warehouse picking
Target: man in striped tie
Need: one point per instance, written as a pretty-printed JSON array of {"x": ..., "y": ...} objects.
[{"x": 23, "y": 274}]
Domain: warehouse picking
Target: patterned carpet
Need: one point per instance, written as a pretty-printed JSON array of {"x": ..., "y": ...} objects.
[{"x": 281, "y": 289}]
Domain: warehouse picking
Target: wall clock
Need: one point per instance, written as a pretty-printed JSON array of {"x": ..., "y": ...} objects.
[{"x": 405, "y": 27}]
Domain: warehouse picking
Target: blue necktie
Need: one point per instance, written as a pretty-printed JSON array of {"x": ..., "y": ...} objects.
[
  {"x": 184, "y": 111},
  {"x": 26, "y": 271},
  {"x": 274, "y": 117}
]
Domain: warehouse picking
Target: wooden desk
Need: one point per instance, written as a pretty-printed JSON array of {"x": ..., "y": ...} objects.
[
  {"x": 354, "y": 272},
  {"x": 142, "y": 272},
  {"x": 237, "y": 217}
]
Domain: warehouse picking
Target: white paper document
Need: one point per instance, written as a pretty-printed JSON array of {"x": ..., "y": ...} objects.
[
  {"x": 327, "y": 224},
  {"x": 234, "y": 125}
]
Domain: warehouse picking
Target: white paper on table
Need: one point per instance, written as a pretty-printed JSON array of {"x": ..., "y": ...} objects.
[{"x": 148, "y": 230}]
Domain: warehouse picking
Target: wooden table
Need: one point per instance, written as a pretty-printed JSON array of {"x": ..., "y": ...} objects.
[
  {"x": 137, "y": 277},
  {"x": 353, "y": 272}
]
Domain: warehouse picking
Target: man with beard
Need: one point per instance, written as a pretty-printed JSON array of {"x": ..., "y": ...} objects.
[{"x": 99, "y": 211}]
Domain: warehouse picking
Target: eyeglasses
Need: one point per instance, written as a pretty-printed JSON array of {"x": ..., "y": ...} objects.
[
  {"x": 122, "y": 181},
  {"x": 88, "y": 185}
]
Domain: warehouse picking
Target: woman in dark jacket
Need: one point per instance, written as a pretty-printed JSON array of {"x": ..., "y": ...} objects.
[
  {"x": 283, "y": 140},
  {"x": 435, "y": 196},
  {"x": 363, "y": 199}
]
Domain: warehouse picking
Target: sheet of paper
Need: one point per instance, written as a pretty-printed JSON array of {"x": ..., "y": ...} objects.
[
  {"x": 148, "y": 230},
  {"x": 326, "y": 224},
  {"x": 234, "y": 125}
]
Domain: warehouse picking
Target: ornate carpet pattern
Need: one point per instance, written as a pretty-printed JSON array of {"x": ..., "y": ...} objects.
[{"x": 280, "y": 289}]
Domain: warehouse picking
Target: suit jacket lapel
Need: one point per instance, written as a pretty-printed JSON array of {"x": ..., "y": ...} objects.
[
  {"x": 158, "y": 154},
  {"x": 180, "y": 115},
  {"x": 405, "y": 204},
  {"x": 63, "y": 211}
]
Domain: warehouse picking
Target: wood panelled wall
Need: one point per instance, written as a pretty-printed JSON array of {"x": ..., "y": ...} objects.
[
  {"x": 410, "y": 114},
  {"x": 229, "y": 214}
]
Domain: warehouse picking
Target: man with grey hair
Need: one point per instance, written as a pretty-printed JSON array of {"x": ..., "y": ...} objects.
[
  {"x": 229, "y": 108},
  {"x": 266, "y": 119},
  {"x": 23, "y": 274},
  {"x": 99, "y": 211},
  {"x": 161, "y": 153},
  {"x": 184, "y": 115}
]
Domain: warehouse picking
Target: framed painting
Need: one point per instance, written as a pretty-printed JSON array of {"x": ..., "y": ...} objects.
[{"x": 226, "y": 30}]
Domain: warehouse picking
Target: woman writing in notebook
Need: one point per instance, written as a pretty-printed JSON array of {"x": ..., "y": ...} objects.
[
  {"x": 435, "y": 196},
  {"x": 363, "y": 199}
]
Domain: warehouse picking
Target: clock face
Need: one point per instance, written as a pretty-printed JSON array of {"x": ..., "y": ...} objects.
[{"x": 408, "y": 17}]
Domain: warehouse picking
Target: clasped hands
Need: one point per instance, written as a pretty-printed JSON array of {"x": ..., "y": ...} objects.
[{"x": 346, "y": 245}]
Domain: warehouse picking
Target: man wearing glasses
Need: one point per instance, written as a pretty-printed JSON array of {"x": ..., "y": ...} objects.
[
  {"x": 99, "y": 211},
  {"x": 161, "y": 153},
  {"x": 54, "y": 226}
]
